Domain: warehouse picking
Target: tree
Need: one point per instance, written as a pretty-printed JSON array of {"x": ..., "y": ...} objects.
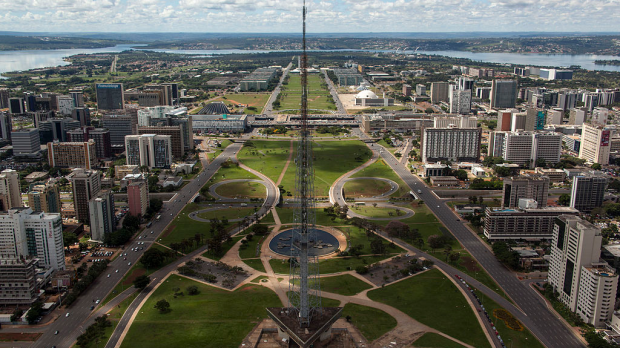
[
  {"x": 153, "y": 258},
  {"x": 597, "y": 166},
  {"x": 377, "y": 246},
  {"x": 436, "y": 241},
  {"x": 69, "y": 239},
  {"x": 132, "y": 223},
  {"x": 141, "y": 282},
  {"x": 162, "y": 306},
  {"x": 17, "y": 313},
  {"x": 34, "y": 313},
  {"x": 460, "y": 174},
  {"x": 564, "y": 199},
  {"x": 192, "y": 290}
]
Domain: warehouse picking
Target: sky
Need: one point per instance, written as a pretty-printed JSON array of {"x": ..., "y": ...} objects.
[{"x": 283, "y": 16}]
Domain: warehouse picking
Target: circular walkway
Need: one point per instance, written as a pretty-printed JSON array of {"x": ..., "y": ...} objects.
[{"x": 394, "y": 185}]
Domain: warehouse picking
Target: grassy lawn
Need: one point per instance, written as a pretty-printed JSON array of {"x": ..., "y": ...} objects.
[
  {"x": 322, "y": 219},
  {"x": 512, "y": 338},
  {"x": 433, "y": 340},
  {"x": 242, "y": 190},
  {"x": 182, "y": 227},
  {"x": 376, "y": 212},
  {"x": 384, "y": 144},
  {"x": 228, "y": 213},
  {"x": 256, "y": 100},
  {"x": 258, "y": 279},
  {"x": 434, "y": 300},
  {"x": 318, "y": 94},
  {"x": 332, "y": 159},
  {"x": 225, "y": 247},
  {"x": 371, "y": 322},
  {"x": 213, "y": 318},
  {"x": 333, "y": 265},
  {"x": 267, "y": 157},
  {"x": 268, "y": 219},
  {"x": 249, "y": 251},
  {"x": 257, "y": 264},
  {"x": 365, "y": 188},
  {"x": 345, "y": 284},
  {"x": 230, "y": 173},
  {"x": 380, "y": 169},
  {"x": 218, "y": 150}
]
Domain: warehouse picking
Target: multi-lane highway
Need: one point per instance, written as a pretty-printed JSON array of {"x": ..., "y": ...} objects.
[
  {"x": 545, "y": 325},
  {"x": 80, "y": 314}
]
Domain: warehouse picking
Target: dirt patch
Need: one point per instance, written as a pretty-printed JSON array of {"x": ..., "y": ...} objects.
[
  {"x": 392, "y": 270},
  {"x": 470, "y": 264},
  {"x": 168, "y": 231},
  {"x": 20, "y": 336},
  {"x": 135, "y": 274}
]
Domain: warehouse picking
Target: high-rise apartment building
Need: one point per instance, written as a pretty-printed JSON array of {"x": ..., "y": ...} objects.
[
  {"x": 119, "y": 126},
  {"x": 588, "y": 191},
  {"x": 595, "y": 144},
  {"x": 86, "y": 185},
  {"x": 440, "y": 92},
  {"x": 82, "y": 115},
  {"x": 18, "y": 282},
  {"x": 503, "y": 94},
  {"x": 78, "y": 98},
  {"x": 26, "y": 142},
  {"x": 176, "y": 137},
  {"x": 110, "y": 96},
  {"x": 151, "y": 150},
  {"x": 523, "y": 223},
  {"x": 4, "y": 98},
  {"x": 455, "y": 121},
  {"x": 45, "y": 197},
  {"x": 56, "y": 129},
  {"x": 25, "y": 233},
  {"x": 534, "y": 119},
  {"x": 6, "y": 126},
  {"x": 504, "y": 120},
  {"x": 138, "y": 197},
  {"x": 10, "y": 191},
  {"x": 599, "y": 116},
  {"x": 460, "y": 100},
  {"x": 534, "y": 187},
  {"x": 576, "y": 117},
  {"x": 526, "y": 148},
  {"x": 103, "y": 142},
  {"x": 451, "y": 144},
  {"x": 586, "y": 285},
  {"x": 17, "y": 106},
  {"x": 72, "y": 155},
  {"x": 102, "y": 219}
]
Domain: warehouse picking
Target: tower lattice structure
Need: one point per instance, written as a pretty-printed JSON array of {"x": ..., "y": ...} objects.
[{"x": 304, "y": 287}]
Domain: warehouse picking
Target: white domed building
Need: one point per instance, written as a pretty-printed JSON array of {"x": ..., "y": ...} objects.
[{"x": 369, "y": 98}]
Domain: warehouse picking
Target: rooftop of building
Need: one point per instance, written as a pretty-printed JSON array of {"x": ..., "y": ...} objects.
[
  {"x": 602, "y": 269},
  {"x": 535, "y": 210},
  {"x": 223, "y": 117}
]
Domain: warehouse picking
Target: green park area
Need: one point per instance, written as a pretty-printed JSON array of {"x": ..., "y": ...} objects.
[
  {"x": 228, "y": 213},
  {"x": 212, "y": 318},
  {"x": 218, "y": 150},
  {"x": 345, "y": 284},
  {"x": 333, "y": 265},
  {"x": 253, "y": 102},
  {"x": 380, "y": 169},
  {"x": 432, "y": 299},
  {"x": 246, "y": 189},
  {"x": 372, "y": 212},
  {"x": 319, "y": 97},
  {"x": 365, "y": 188},
  {"x": 267, "y": 157},
  {"x": 372, "y": 323},
  {"x": 114, "y": 316},
  {"x": 331, "y": 160}
]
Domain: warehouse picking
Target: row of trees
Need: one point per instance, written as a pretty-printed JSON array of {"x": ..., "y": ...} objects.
[
  {"x": 95, "y": 332},
  {"x": 95, "y": 270}
]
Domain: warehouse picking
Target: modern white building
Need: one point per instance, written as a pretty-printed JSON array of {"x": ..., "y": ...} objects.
[
  {"x": 576, "y": 117},
  {"x": 26, "y": 142},
  {"x": 599, "y": 116},
  {"x": 26, "y": 233},
  {"x": 10, "y": 191},
  {"x": 147, "y": 114},
  {"x": 151, "y": 150},
  {"x": 595, "y": 144},
  {"x": 455, "y": 121},
  {"x": 451, "y": 144},
  {"x": 102, "y": 219},
  {"x": 586, "y": 285},
  {"x": 525, "y": 148}
]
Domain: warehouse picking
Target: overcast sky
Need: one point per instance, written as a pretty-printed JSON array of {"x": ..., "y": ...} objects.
[{"x": 277, "y": 16}]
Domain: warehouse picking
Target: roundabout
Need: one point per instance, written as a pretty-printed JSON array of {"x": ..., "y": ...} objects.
[{"x": 322, "y": 243}]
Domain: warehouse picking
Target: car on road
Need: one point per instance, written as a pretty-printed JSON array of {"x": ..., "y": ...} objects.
[
  {"x": 108, "y": 275},
  {"x": 56, "y": 332},
  {"x": 97, "y": 302},
  {"x": 129, "y": 264},
  {"x": 67, "y": 315},
  {"x": 116, "y": 271},
  {"x": 92, "y": 307}
]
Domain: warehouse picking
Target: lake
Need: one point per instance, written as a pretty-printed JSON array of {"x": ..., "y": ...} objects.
[{"x": 33, "y": 59}]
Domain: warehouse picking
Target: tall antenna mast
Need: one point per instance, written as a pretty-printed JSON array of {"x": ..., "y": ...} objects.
[{"x": 304, "y": 288}]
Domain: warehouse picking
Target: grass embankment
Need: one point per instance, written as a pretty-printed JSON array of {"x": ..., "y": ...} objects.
[
  {"x": 255, "y": 101},
  {"x": 434, "y": 300},
  {"x": 213, "y": 318},
  {"x": 345, "y": 284},
  {"x": 380, "y": 169},
  {"x": 319, "y": 97},
  {"x": 365, "y": 188},
  {"x": 218, "y": 150},
  {"x": 372, "y": 323}
]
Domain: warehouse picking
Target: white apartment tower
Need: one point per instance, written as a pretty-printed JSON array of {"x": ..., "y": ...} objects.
[
  {"x": 151, "y": 150},
  {"x": 102, "y": 220},
  {"x": 595, "y": 144},
  {"x": 10, "y": 191},
  {"x": 460, "y": 100},
  {"x": 587, "y": 286},
  {"x": 26, "y": 233},
  {"x": 451, "y": 144}
]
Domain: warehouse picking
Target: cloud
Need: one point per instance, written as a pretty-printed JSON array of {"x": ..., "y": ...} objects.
[{"x": 323, "y": 16}]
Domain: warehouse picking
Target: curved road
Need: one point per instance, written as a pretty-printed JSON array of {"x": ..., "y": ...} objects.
[
  {"x": 394, "y": 186},
  {"x": 80, "y": 314},
  {"x": 540, "y": 320}
]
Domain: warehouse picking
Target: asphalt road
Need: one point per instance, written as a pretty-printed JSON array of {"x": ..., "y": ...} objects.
[
  {"x": 70, "y": 327},
  {"x": 332, "y": 90},
  {"x": 549, "y": 329},
  {"x": 268, "y": 109}
]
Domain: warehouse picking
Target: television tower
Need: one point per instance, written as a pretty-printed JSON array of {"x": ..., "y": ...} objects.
[
  {"x": 304, "y": 320},
  {"x": 304, "y": 286}
]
